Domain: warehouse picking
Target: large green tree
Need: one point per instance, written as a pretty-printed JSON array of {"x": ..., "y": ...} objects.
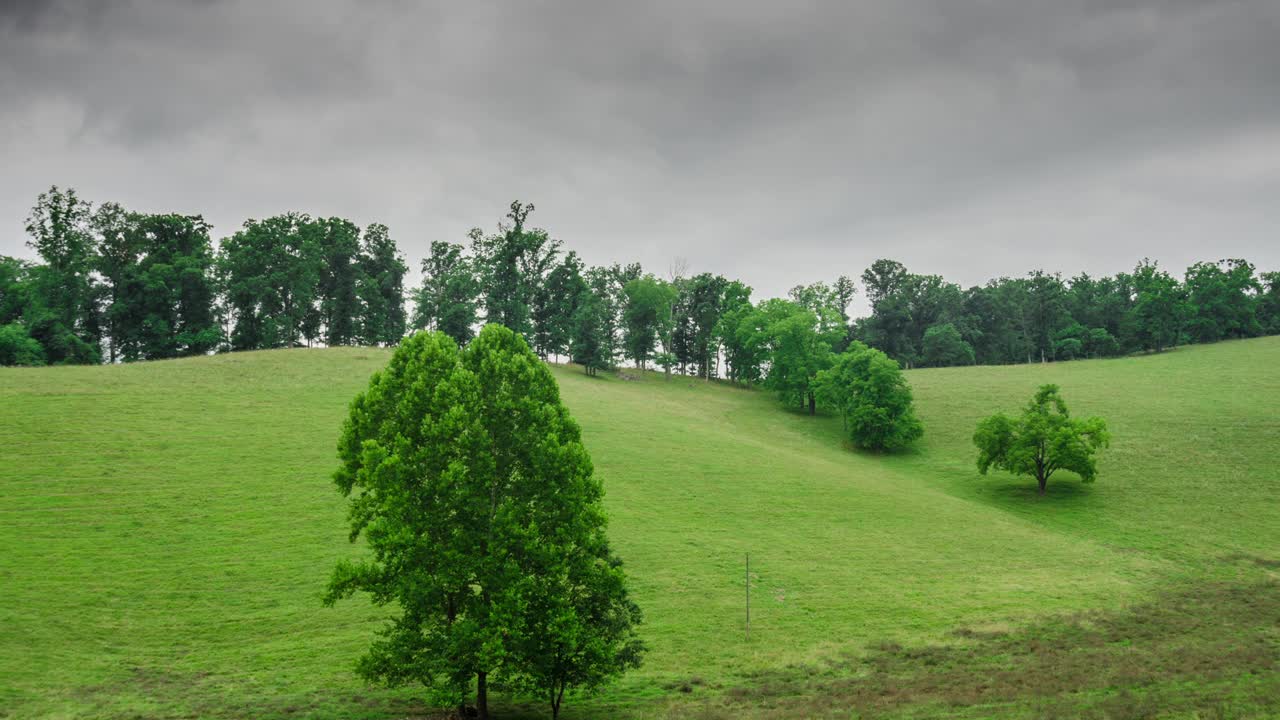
[
  {"x": 706, "y": 303},
  {"x": 269, "y": 270},
  {"x": 447, "y": 299},
  {"x": 1222, "y": 299},
  {"x": 380, "y": 288},
  {"x": 646, "y": 314},
  {"x": 590, "y": 343},
  {"x": 511, "y": 266},
  {"x": 798, "y": 350},
  {"x": 1160, "y": 307},
  {"x": 557, "y": 302},
  {"x": 64, "y": 309},
  {"x": 339, "y": 275},
  {"x": 744, "y": 355},
  {"x": 869, "y": 391},
  {"x": 829, "y": 302},
  {"x": 170, "y": 294},
  {"x": 476, "y": 499},
  {"x": 1044, "y": 440},
  {"x": 159, "y": 287}
]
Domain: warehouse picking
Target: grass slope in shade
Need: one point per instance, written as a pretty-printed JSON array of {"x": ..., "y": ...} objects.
[{"x": 168, "y": 529}]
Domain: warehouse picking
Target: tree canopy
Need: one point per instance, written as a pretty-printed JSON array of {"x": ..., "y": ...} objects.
[
  {"x": 1042, "y": 441},
  {"x": 646, "y": 316},
  {"x": 867, "y": 388},
  {"x": 477, "y": 501},
  {"x": 117, "y": 285}
]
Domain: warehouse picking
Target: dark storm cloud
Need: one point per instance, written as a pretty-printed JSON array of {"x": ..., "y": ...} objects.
[{"x": 779, "y": 143}]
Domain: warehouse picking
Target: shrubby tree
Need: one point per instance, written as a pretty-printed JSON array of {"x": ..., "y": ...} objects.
[
  {"x": 1101, "y": 343},
  {"x": 17, "y": 347},
  {"x": 475, "y": 496},
  {"x": 869, "y": 391},
  {"x": 1042, "y": 441}
]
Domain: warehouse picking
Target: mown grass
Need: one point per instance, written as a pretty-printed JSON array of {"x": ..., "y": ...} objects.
[{"x": 168, "y": 528}]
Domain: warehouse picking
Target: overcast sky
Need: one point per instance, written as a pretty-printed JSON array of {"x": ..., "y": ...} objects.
[{"x": 779, "y": 142}]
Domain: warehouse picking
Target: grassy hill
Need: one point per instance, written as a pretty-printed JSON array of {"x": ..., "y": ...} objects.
[{"x": 168, "y": 528}]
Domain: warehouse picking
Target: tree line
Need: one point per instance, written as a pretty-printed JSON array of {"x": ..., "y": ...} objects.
[
  {"x": 116, "y": 285},
  {"x": 119, "y": 285},
  {"x": 925, "y": 321}
]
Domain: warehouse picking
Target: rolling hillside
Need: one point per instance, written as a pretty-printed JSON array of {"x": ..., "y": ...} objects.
[{"x": 168, "y": 528}]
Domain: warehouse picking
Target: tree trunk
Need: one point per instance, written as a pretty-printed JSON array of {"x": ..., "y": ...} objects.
[
  {"x": 1040, "y": 478},
  {"x": 556, "y": 699},
  {"x": 482, "y": 695},
  {"x": 813, "y": 408}
]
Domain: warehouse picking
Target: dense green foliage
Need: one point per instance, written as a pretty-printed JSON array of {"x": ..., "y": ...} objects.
[
  {"x": 1044, "y": 440},
  {"x": 293, "y": 280},
  {"x": 446, "y": 301},
  {"x": 169, "y": 526},
  {"x": 868, "y": 390},
  {"x": 117, "y": 285},
  {"x": 591, "y": 340},
  {"x": 922, "y": 320},
  {"x": 646, "y": 316},
  {"x": 380, "y": 312},
  {"x": 474, "y": 494},
  {"x": 62, "y": 311},
  {"x": 158, "y": 285}
]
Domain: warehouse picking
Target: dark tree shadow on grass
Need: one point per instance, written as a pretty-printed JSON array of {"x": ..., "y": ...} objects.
[
  {"x": 1198, "y": 650},
  {"x": 1008, "y": 490}
]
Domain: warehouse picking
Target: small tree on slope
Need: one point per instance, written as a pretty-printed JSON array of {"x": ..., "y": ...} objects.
[
  {"x": 1041, "y": 442},
  {"x": 477, "y": 502},
  {"x": 869, "y": 391}
]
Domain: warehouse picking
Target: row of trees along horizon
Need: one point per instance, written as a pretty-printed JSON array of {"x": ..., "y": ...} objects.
[{"x": 116, "y": 285}]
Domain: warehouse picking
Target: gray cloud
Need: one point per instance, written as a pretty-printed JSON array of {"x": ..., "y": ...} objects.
[{"x": 779, "y": 142}]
